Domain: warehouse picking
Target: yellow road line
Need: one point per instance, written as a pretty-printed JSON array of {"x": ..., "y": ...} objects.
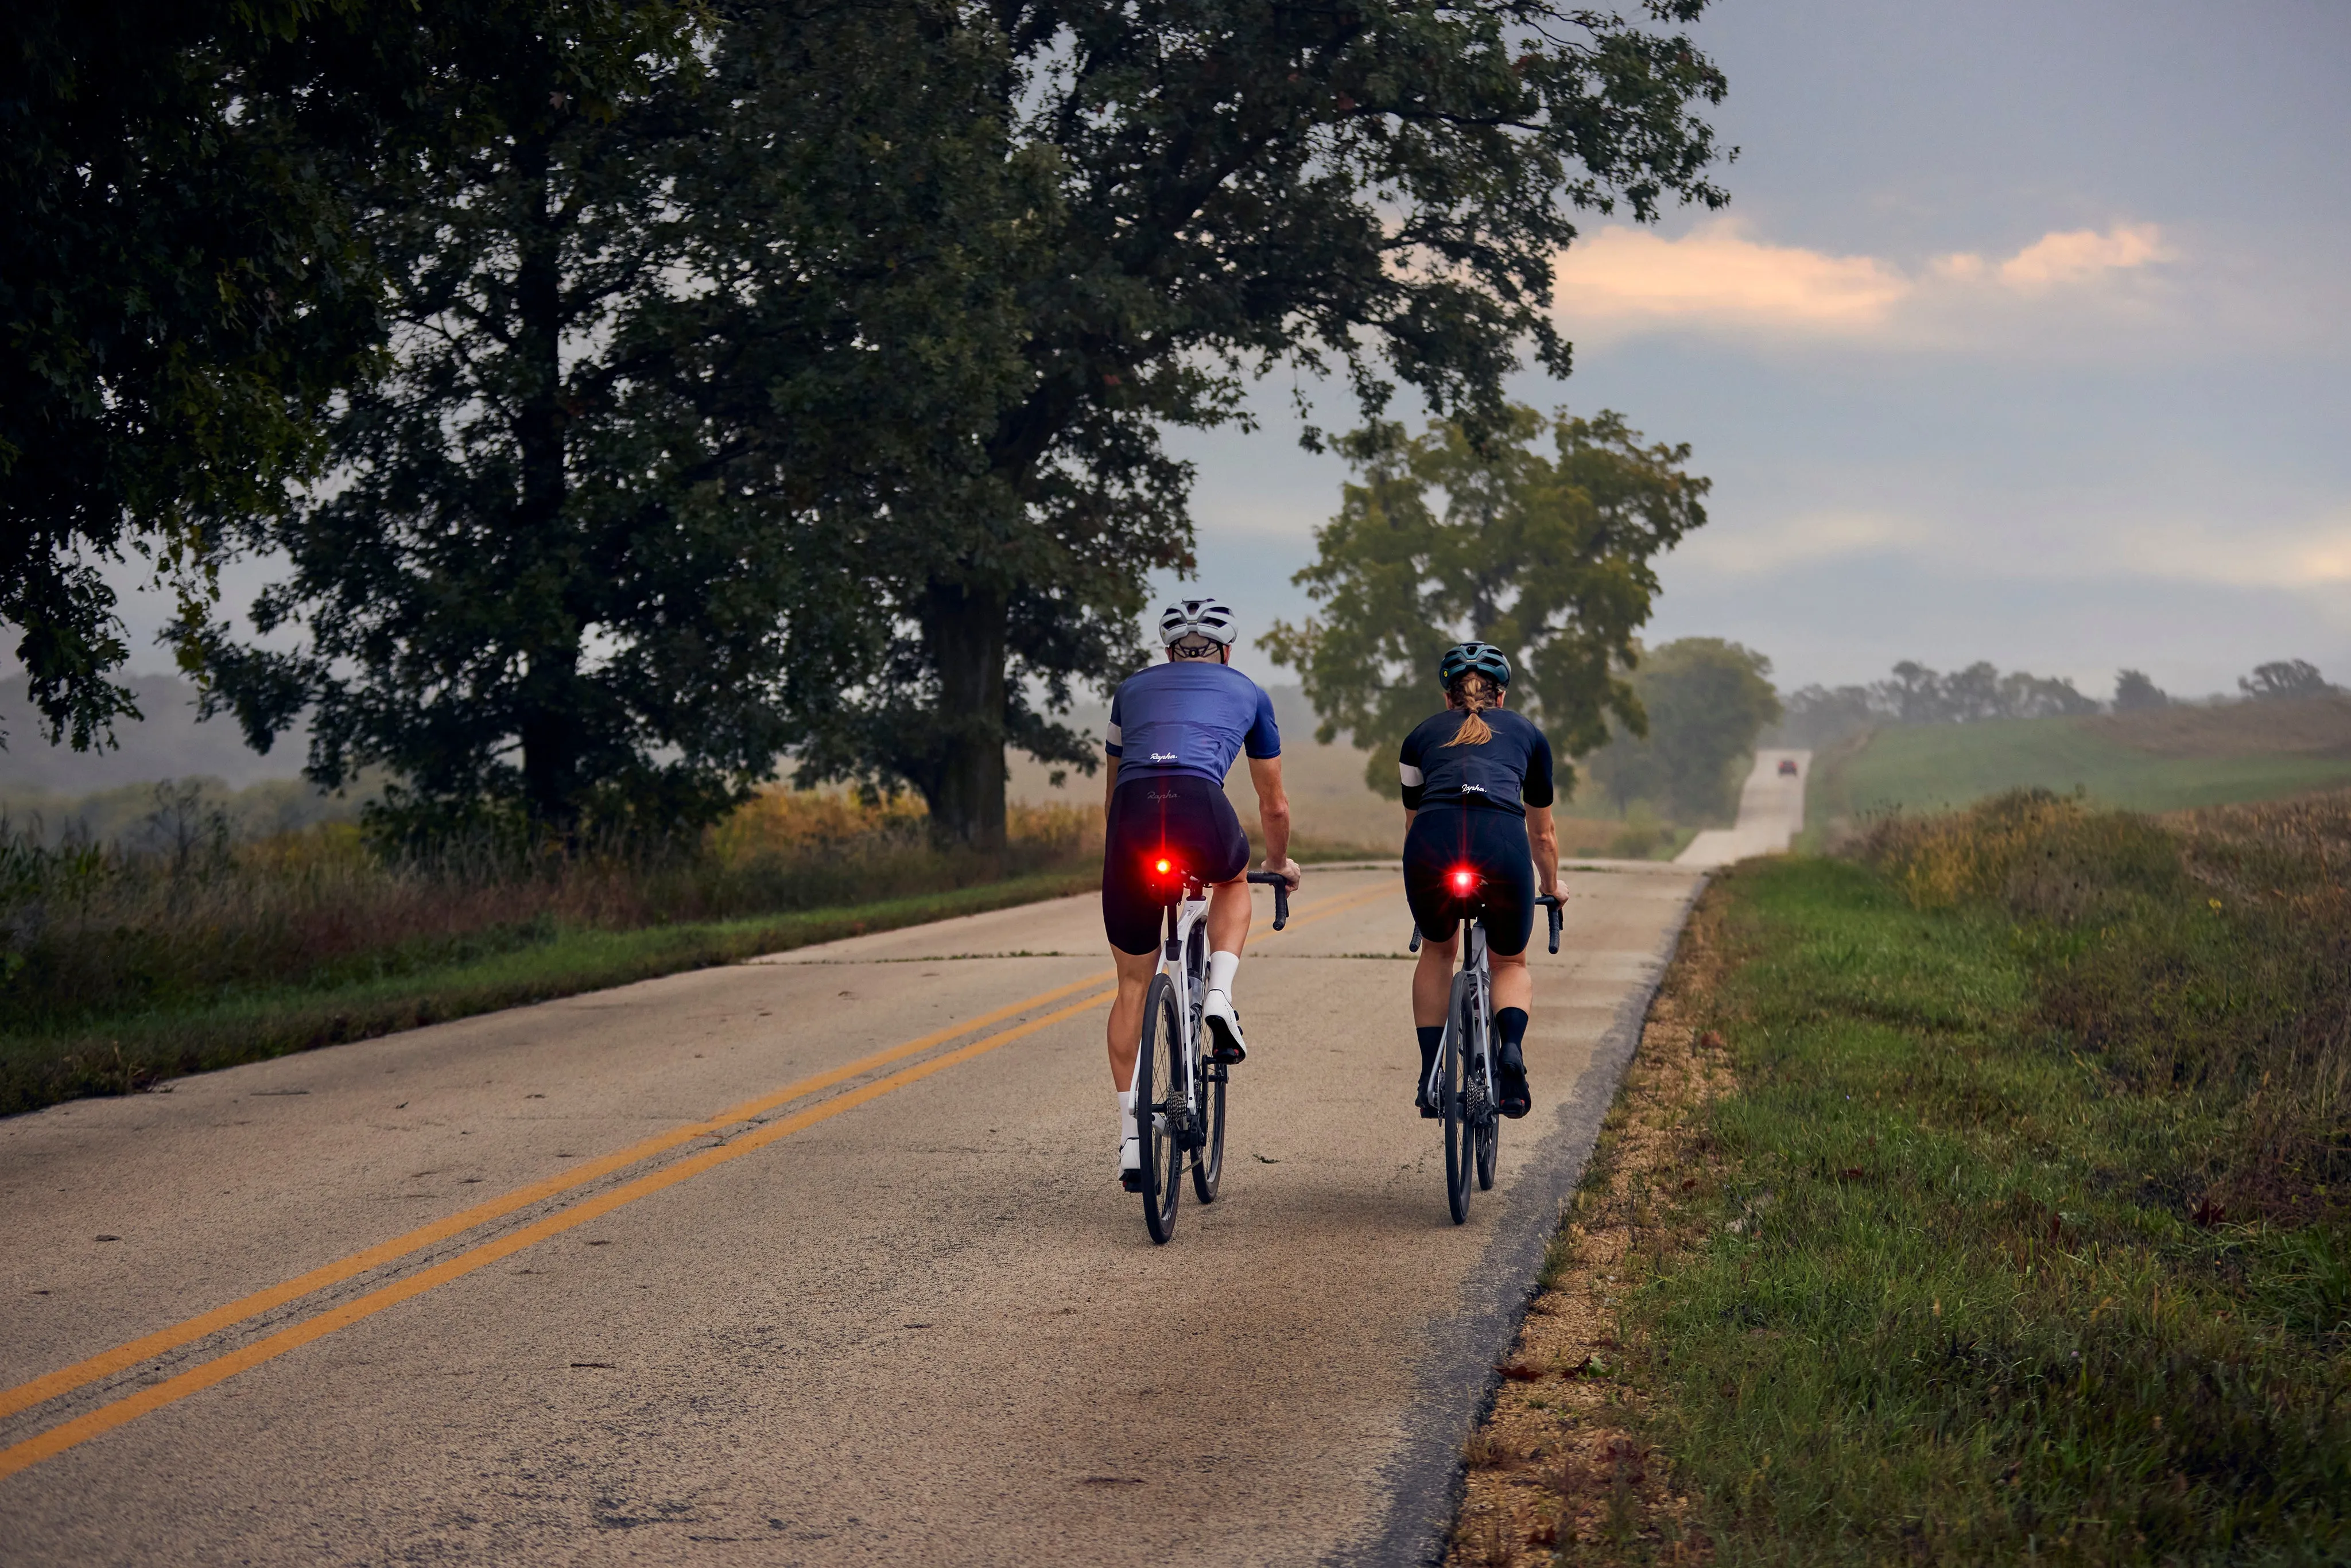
[
  {"x": 105, "y": 1418},
  {"x": 49, "y": 1385},
  {"x": 25, "y": 1396}
]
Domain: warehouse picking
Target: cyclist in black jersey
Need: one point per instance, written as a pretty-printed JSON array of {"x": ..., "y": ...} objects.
[{"x": 1478, "y": 794}]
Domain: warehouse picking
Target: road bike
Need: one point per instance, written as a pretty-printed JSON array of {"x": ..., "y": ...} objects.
[
  {"x": 1463, "y": 1082},
  {"x": 1180, "y": 1114}
]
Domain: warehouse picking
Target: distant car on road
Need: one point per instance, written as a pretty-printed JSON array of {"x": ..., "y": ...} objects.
[{"x": 1787, "y": 768}]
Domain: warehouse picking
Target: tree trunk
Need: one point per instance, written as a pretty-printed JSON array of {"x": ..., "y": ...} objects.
[{"x": 965, "y": 629}]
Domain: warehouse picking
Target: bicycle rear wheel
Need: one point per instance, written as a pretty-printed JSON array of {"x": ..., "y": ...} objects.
[
  {"x": 1209, "y": 1159},
  {"x": 1452, "y": 1082},
  {"x": 1487, "y": 1115},
  {"x": 1161, "y": 1115}
]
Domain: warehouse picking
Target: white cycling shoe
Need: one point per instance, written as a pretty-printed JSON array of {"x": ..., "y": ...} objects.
[
  {"x": 1224, "y": 1026},
  {"x": 1130, "y": 1163}
]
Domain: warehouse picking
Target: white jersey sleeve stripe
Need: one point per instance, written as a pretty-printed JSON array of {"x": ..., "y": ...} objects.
[
  {"x": 1410, "y": 775},
  {"x": 1115, "y": 737}
]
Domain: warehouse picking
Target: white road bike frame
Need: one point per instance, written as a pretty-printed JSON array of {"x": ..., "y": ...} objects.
[{"x": 1191, "y": 993}]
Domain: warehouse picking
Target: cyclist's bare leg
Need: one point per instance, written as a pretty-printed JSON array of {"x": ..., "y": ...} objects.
[
  {"x": 1228, "y": 915},
  {"x": 1134, "y": 972},
  {"x": 1513, "y": 986},
  {"x": 1432, "y": 981}
]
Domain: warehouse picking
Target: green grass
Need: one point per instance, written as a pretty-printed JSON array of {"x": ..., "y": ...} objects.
[
  {"x": 1924, "y": 767},
  {"x": 2024, "y": 1239},
  {"x": 527, "y": 963}
]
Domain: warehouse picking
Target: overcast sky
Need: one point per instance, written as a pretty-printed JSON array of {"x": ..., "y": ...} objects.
[{"x": 2025, "y": 337}]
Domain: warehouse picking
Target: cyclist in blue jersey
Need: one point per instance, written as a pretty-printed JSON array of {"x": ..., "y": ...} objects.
[
  {"x": 1174, "y": 729},
  {"x": 1477, "y": 793}
]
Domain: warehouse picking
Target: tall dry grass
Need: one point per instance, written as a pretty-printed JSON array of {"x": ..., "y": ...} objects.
[{"x": 182, "y": 913}]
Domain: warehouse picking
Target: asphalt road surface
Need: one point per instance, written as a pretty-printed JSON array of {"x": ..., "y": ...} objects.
[
  {"x": 1770, "y": 813},
  {"x": 813, "y": 1260}
]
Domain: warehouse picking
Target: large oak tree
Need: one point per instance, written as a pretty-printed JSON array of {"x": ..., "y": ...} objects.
[
  {"x": 181, "y": 289},
  {"x": 1378, "y": 187},
  {"x": 1549, "y": 557}
]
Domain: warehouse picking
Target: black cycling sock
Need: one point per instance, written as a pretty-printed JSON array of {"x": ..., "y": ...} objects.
[
  {"x": 1430, "y": 1037},
  {"x": 1512, "y": 1023}
]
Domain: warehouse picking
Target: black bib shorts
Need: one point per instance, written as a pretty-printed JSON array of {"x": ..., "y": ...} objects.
[
  {"x": 1490, "y": 841},
  {"x": 1180, "y": 817}
]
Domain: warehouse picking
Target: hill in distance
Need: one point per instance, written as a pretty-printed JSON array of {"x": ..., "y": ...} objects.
[{"x": 2160, "y": 760}]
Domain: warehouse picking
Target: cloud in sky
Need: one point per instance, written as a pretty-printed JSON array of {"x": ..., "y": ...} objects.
[{"x": 1626, "y": 279}]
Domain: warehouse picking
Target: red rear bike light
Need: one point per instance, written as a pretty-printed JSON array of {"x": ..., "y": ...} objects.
[
  {"x": 1163, "y": 865},
  {"x": 1463, "y": 881}
]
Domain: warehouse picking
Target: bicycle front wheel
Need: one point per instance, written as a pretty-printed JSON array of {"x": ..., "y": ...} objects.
[
  {"x": 1453, "y": 1083},
  {"x": 1162, "y": 1116}
]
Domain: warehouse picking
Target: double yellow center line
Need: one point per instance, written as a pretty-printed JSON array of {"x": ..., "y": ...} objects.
[{"x": 105, "y": 1418}]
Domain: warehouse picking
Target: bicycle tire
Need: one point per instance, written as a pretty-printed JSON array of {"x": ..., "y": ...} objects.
[
  {"x": 1209, "y": 1159},
  {"x": 1490, "y": 1138},
  {"x": 1160, "y": 1114},
  {"x": 1453, "y": 1083}
]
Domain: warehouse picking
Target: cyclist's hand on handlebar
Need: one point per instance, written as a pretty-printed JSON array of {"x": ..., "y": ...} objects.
[{"x": 1288, "y": 871}]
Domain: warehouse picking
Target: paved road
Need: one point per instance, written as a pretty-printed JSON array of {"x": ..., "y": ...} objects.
[
  {"x": 1770, "y": 812},
  {"x": 814, "y": 1259}
]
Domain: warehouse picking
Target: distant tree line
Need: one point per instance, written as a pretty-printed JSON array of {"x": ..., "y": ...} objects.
[
  {"x": 1914, "y": 693},
  {"x": 638, "y": 393}
]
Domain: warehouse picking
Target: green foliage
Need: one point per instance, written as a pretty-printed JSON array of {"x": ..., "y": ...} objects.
[
  {"x": 1707, "y": 700},
  {"x": 788, "y": 374},
  {"x": 523, "y": 597},
  {"x": 1384, "y": 187},
  {"x": 2027, "y": 1244},
  {"x": 1548, "y": 558},
  {"x": 183, "y": 288}
]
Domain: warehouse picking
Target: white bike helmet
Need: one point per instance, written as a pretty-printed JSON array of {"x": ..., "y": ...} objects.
[{"x": 1209, "y": 618}]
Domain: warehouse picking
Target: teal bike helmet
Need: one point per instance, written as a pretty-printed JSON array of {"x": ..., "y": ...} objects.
[{"x": 1463, "y": 658}]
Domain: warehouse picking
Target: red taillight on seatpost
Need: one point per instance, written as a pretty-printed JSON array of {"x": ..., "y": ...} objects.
[{"x": 1463, "y": 881}]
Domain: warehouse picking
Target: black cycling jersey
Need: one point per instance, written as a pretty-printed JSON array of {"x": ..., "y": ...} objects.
[{"x": 1510, "y": 772}]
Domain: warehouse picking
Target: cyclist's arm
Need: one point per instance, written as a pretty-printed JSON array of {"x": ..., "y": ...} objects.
[
  {"x": 1543, "y": 836},
  {"x": 1110, "y": 782},
  {"x": 1273, "y": 814}
]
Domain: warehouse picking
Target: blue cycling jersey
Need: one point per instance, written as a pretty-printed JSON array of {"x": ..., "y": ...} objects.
[
  {"x": 1189, "y": 715},
  {"x": 1510, "y": 772}
]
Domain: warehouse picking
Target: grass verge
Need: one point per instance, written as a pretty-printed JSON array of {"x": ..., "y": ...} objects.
[
  {"x": 2011, "y": 1230},
  {"x": 531, "y": 964}
]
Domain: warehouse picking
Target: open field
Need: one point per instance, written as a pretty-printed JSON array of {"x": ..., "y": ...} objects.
[
  {"x": 2170, "y": 759},
  {"x": 183, "y": 948},
  {"x": 1978, "y": 1200}
]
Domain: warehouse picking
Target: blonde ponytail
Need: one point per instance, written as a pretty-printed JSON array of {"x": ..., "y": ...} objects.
[{"x": 1476, "y": 693}]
